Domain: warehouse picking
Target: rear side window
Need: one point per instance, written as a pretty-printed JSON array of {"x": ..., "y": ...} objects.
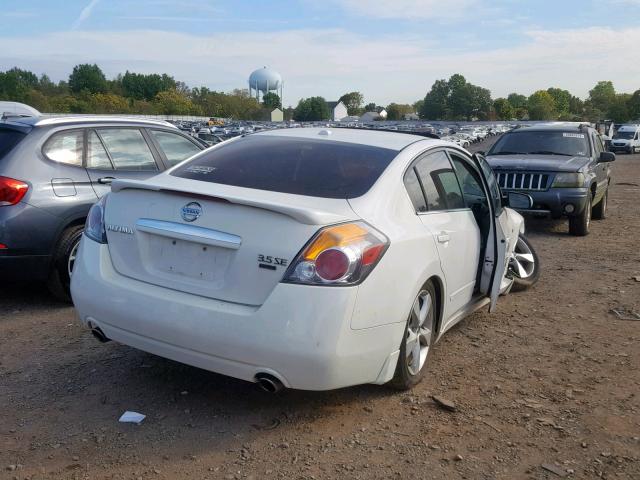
[
  {"x": 439, "y": 182},
  {"x": 65, "y": 147},
  {"x": 8, "y": 140},
  {"x": 175, "y": 147},
  {"x": 96, "y": 154},
  {"x": 414, "y": 190},
  {"x": 313, "y": 167},
  {"x": 127, "y": 148}
]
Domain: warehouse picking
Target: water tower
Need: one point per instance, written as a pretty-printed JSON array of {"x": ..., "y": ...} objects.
[{"x": 265, "y": 80}]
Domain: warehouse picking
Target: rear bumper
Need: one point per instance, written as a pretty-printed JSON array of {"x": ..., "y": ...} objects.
[
  {"x": 554, "y": 201},
  {"x": 301, "y": 334}
]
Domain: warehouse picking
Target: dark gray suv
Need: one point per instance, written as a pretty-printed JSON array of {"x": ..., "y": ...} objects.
[
  {"x": 53, "y": 169},
  {"x": 563, "y": 167}
]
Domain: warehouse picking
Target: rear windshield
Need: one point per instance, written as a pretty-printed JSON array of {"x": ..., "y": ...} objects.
[
  {"x": 542, "y": 142},
  {"x": 8, "y": 140},
  {"x": 313, "y": 167}
]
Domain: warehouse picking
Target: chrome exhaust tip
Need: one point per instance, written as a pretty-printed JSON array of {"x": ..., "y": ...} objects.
[
  {"x": 269, "y": 383},
  {"x": 99, "y": 334}
]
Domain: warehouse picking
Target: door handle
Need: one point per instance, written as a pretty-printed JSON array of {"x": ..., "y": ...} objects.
[
  {"x": 106, "y": 180},
  {"x": 443, "y": 237}
]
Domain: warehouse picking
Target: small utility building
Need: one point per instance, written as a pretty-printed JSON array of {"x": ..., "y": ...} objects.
[
  {"x": 277, "y": 115},
  {"x": 337, "y": 111}
]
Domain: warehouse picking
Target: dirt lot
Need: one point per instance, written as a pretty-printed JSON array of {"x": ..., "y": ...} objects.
[{"x": 552, "y": 378}]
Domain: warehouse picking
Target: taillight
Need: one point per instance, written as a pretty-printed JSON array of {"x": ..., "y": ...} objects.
[
  {"x": 11, "y": 191},
  {"x": 94, "y": 227},
  {"x": 342, "y": 254}
]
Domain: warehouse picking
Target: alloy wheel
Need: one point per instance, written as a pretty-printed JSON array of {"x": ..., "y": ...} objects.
[
  {"x": 72, "y": 258},
  {"x": 522, "y": 261},
  {"x": 419, "y": 332}
]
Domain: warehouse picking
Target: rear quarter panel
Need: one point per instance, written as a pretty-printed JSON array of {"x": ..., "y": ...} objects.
[
  {"x": 27, "y": 163},
  {"x": 387, "y": 295}
]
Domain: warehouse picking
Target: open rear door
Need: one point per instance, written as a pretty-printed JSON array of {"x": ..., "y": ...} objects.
[{"x": 495, "y": 258}]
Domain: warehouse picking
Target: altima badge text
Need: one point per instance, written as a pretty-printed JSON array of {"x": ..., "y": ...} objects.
[{"x": 119, "y": 229}]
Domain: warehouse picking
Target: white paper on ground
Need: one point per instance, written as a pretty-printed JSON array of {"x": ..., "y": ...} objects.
[{"x": 132, "y": 417}]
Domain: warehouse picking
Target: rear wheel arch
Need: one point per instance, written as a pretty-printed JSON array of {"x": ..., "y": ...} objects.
[
  {"x": 76, "y": 220},
  {"x": 63, "y": 255}
]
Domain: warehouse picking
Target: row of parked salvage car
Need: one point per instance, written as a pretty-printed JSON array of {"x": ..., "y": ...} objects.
[{"x": 309, "y": 258}]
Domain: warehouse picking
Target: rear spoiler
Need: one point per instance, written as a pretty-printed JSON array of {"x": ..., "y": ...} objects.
[{"x": 300, "y": 208}]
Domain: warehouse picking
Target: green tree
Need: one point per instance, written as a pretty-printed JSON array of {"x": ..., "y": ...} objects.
[
  {"x": 142, "y": 107},
  {"x": 397, "y": 111},
  {"x": 171, "y": 102},
  {"x": 271, "y": 100},
  {"x": 480, "y": 103},
  {"x": 88, "y": 78},
  {"x": 435, "y": 103},
  {"x": 519, "y": 104},
  {"x": 456, "y": 99},
  {"x": 288, "y": 113},
  {"x": 417, "y": 106},
  {"x": 459, "y": 101},
  {"x": 634, "y": 106},
  {"x": 37, "y": 100},
  {"x": 145, "y": 87},
  {"x": 542, "y": 106},
  {"x": 576, "y": 107},
  {"x": 353, "y": 101},
  {"x": 62, "y": 104},
  {"x": 109, "y": 103},
  {"x": 16, "y": 83},
  {"x": 182, "y": 88},
  {"x": 371, "y": 107},
  {"x": 562, "y": 100},
  {"x": 602, "y": 96},
  {"x": 504, "y": 110},
  {"x": 46, "y": 86},
  {"x": 619, "y": 108},
  {"x": 311, "y": 109}
]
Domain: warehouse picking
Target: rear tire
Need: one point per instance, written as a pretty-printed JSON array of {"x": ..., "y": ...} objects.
[
  {"x": 418, "y": 339},
  {"x": 579, "y": 224},
  {"x": 600, "y": 210},
  {"x": 59, "y": 281}
]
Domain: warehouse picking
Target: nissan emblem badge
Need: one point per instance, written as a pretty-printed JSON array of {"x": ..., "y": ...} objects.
[{"x": 191, "y": 211}]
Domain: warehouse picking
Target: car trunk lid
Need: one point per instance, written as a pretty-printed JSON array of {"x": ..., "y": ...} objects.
[{"x": 226, "y": 243}]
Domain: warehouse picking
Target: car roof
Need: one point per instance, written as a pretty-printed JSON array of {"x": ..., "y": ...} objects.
[
  {"x": 554, "y": 126},
  {"x": 374, "y": 138},
  {"x": 84, "y": 119}
]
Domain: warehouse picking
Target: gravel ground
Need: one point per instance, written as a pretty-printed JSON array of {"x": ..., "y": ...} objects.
[{"x": 546, "y": 387}]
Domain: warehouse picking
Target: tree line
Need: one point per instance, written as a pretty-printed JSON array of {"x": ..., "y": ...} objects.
[
  {"x": 87, "y": 90},
  {"x": 457, "y": 99}
]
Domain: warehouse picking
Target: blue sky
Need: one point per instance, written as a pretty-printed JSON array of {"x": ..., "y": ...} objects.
[{"x": 391, "y": 50}]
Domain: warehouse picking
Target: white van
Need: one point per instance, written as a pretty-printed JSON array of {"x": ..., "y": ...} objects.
[{"x": 626, "y": 139}]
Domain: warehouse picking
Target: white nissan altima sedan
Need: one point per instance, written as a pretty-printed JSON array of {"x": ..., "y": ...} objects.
[{"x": 303, "y": 258}]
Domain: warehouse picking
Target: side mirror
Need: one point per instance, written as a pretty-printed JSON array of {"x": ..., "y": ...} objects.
[
  {"x": 606, "y": 157},
  {"x": 519, "y": 201}
]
